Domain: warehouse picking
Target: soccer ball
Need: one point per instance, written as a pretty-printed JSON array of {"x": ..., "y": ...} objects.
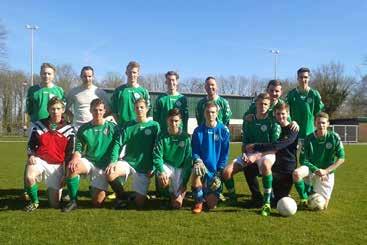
[
  {"x": 287, "y": 206},
  {"x": 316, "y": 202}
]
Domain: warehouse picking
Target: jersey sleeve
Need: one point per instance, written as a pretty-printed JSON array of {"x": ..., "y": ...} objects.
[
  {"x": 319, "y": 106},
  {"x": 185, "y": 113},
  {"x": 227, "y": 113},
  {"x": 114, "y": 102},
  {"x": 79, "y": 142},
  {"x": 305, "y": 156},
  {"x": 187, "y": 166},
  {"x": 70, "y": 147},
  {"x": 199, "y": 113},
  {"x": 147, "y": 98},
  {"x": 223, "y": 158},
  {"x": 275, "y": 133},
  {"x": 29, "y": 102},
  {"x": 158, "y": 155},
  {"x": 156, "y": 110},
  {"x": 116, "y": 145},
  {"x": 195, "y": 143},
  {"x": 277, "y": 145},
  {"x": 339, "y": 148}
]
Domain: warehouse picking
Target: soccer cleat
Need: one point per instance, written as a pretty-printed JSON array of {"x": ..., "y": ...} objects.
[
  {"x": 30, "y": 207},
  {"x": 112, "y": 196},
  {"x": 25, "y": 196},
  {"x": 120, "y": 204},
  {"x": 70, "y": 207},
  {"x": 221, "y": 197},
  {"x": 198, "y": 207},
  {"x": 266, "y": 209}
]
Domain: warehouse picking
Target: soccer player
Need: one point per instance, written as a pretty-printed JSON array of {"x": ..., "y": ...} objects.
[
  {"x": 285, "y": 149},
  {"x": 50, "y": 146},
  {"x": 321, "y": 155},
  {"x": 260, "y": 130},
  {"x": 210, "y": 147},
  {"x": 97, "y": 145},
  {"x": 139, "y": 136},
  {"x": 79, "y": 98},
  {"x": 172, "y": 158},
  {"x": 172, "y": 99},
  {"x": 304, "y": 103},
  {"x": 124, "y": 97}
]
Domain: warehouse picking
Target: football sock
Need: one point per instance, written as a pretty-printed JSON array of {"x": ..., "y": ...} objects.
[
  {"x": 230, "y": 187},
  {"x": 308, "y": 188},
  {"x": 301, "y": 189},
  {"x": 198, "y": 194},
  {"x": 117, "y": 188},
  {"x": 73, "y": 187},
  {"x": 267, "y": 184},
  {"x": 33, "y": 193}
]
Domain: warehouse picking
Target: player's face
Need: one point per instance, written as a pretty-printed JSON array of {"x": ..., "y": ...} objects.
[
  {"x": 47, "y": 75},
  {"x": 303, "y": 78},
  {"x": 281, "y": 116},
  {"x": 140, "y": 109},
  {"x": 98, "y": 112},
  {"x": 56, "y": 111},
  {"x": 211, "y": 87},
  {"x": 275, "y": 92},
  {"x": 174, "y": 123},
  {"x": 211, "y": 114},
  {"x": 132, "y": 74},
  {"x": 262, "y": 106},
  {"x": 322, "y": 124},
  {"x": 87, "y": 77},
  {"x": 172, "y": 83}
]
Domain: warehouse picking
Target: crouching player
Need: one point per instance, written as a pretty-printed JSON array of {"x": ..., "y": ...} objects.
[
  {"x": 262, "y": 129},
  {"x": 210, "y": 147},
  {"x": 97, "y": 145},
  {"x": 172, "y": 158},
  {"x": 139, "y": 137},
  {"x": 50, "y": 146},
  {"x": 322, "y": 153}
]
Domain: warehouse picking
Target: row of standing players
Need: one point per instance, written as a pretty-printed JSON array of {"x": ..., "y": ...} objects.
[{"x": 167, "y": 145}]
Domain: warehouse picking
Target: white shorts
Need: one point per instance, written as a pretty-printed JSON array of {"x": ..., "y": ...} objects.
[
  {"x": 270, "y": 157},
  {"x": 52, "y": 174},
  {"x": 140, "y": 181},
  {"x": 97, "y": 176},
  {"x": 324, "y": 188},
  {"x": 175, "y": 178}
]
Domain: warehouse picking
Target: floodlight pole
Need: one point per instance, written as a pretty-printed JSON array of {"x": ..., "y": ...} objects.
[
  {"x": 32, "y": 28},
  {"x": 275, "y": 53}
]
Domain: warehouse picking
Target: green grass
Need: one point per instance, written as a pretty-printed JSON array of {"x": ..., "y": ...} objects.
[{"x": 343, "y": 223}]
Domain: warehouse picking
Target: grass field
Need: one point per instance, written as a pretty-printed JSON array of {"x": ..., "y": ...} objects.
[{"x": 345, "y": 221}]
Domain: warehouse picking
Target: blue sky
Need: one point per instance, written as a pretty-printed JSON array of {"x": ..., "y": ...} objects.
[{"x": 196, "y": 38}]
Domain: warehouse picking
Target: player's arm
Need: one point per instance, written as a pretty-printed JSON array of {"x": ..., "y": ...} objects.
[
  {"x": 147, "y": 98},
  {"x": 116, "y": 144},
  {"x": 70, "y": 148},
  {"x": 68, "y": 113},
  {"x": 199, "y": 113},
  {"x": 75, "y": 159},
  {"x": 114, "y": 105},
  {"x": 277, "y": 145},
  {"x": 305, "y": 156},
  {"x": 224, "y": 150},
  {"x": 227, "y": 114},
  {"x": 319, "y": 106},
  {"x": 340, "y": 155},
  {"x": 187, "y": 166},
  {"x": 33, "y": 144},
  {"x": 196, "y": 146},
  {"x": 156, "y": 110},
  {"x": 158, "y": 152},
  {"x": 185, "y": 113}
]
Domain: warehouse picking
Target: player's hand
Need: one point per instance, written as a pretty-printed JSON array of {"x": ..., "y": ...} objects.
[
  {"x": 163, "y": 179},
  {"x": 215, "y": 184},
  {"x": 111, "y": 168},
  {"x": 294, "y": 126},
  {"x": 321, "y": 172},
  {"x": 199, "y": 168},
  {"x": 253, "y": 158},
  {"x": 249, "y": 117},
  {"x": 31, "y": 160},
  {"x": 244, "y": 158},
  {"x": 73, "y": 165},
  {"x": 250, "y": 148}
]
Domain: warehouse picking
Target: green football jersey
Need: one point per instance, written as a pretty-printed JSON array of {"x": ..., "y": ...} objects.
[
  {"x": 321, "y": 152},
  {"x": 271, "y": 112},
  {"x": 260, "y": 131},
  {"x": 37, "y": 100},
  {"x": 174, "y": 150},
  {"x": 166, "y": 102},
  {"x": 100, "y": 144},
  {"x": 224, "y": 114},
  {"x": 139, "y": 139},
  {"x": 304, "y": 106},
  {"x": 123, "y": 100}
]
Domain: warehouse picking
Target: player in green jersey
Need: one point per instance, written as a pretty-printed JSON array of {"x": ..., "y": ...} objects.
[
  {"x": 139, "y": 137},
  {"x": 260, "y": 130},
  {"x": 304, "y": 103},
  {"x": 124, "y": 97},
  {"x": 97, "y": 145},
  {"x": 321, "y": 155},
  {"x": 172, "y": 158},
  {"x": 172, "y": 99}
]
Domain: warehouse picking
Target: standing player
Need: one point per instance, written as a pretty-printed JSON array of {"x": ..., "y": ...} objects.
[
  {"x": 79, "y": 98},
  {"x": 139, "y": 137},
  {"x": 97, "y": 145},
  {"x": 260, "y": 130},
  {"x": 172, "y": 158},
  {"x": 304, "y": 103},
  {"x": 124, "y": 97},
  {"x": 210, "y": 148},
  {"x": 50, "y": 146},
  {"x": 322, "y": 154},
  {"x": 172, "y": 99}
]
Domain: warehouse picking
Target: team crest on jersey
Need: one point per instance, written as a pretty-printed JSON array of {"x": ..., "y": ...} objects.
[
  {"x": 178, "y": 103},
  {"x": 147, "y": 131},
  {"x": 328, "y": 145},
  {"x": 216, "y": 137},
  {"x": 136, "y": 96},
  {"x": 263, "y": 128},
  {"x": 181, "y": 144},
  {"x": 309, "y": 100}
]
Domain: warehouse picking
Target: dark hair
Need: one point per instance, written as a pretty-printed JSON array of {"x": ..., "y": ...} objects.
[
  {"x": 55, "y": 100},
  {"x": 48, "y": 65},
  {"x": 132, "y": 64},
  {"x": 281, "y": 106},
  {"x": 96, "y": 102},
  {"x": 208, "y": 78},
  {"x": 302, "y": 70},
  {"x": 262, "y": 96},
  {"x": 86, "y": 68},
  {"x": 174, "y": 112},
  {"x": 274, "y": 83},
  {"x": 172, "y": 73},
  {"x": 141, "y": 100}
]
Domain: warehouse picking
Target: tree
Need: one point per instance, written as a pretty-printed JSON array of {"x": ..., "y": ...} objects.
[
  {"x": 66, "y": 77},
  {"x": 357, "y": 104},
  {"x": 334, "y": 86},
  {"x": 3, "y": 51},
  {"x": 111, "y": 80}
]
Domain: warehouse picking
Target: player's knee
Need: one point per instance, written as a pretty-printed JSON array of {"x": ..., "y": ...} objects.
[
  {"x": 195, "y": 181},
  {"x": 296, "y": 175}
]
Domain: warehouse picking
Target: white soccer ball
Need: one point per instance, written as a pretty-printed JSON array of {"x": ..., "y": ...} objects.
[
  {"x": 316, "y": 202},
  {"x": 287, "y": 206}
]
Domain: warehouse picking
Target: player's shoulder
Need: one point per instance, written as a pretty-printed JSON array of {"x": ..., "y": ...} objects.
[
  {"x": 334, "y": 135},
  {"x": 314, "y": 92},
  {"x": 222, "y": 127},
  {"x": 292, "y": 92}
]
